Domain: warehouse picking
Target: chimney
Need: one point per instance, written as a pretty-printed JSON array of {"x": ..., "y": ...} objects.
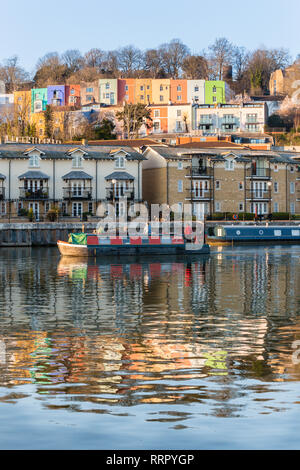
[{"x": 84, "y": 142}]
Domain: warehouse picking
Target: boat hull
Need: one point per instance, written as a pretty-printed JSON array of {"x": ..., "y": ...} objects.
[{"x": 68, "y": 249}]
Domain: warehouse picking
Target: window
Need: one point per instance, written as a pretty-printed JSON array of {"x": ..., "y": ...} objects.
[
  {"x": 179, "y": 165},
  {"x": 47, "y": 207},
  {"x": 178, "y": 126},
  {"x": 251, "y": 118},
  {"x": 141, "y": 97},
  {"x": 77, "y": 209},
  {"x": 275, "y": 206},
  {"x": 77, "y": 161},
  {"x": 89, "y": 98},
  {"x": 161, "y": 88},
  {"x": 120, "y": 161},
  {"x": 218, "y": 184},
  {"x": 34, "y": 161},
  {"x": 89, "y": 90},
  {"x": 90, "y": 208},
  {"x": 3, "y": 208},
  {"x": 229, "y": 165},
  {"x": 292, "y": 187},
  {"x": 180, "y": 186},
  {"x": 218, "y": 207},
  {"x": 178, "y": 97},
  {"x": 214, "y": 89},
  {"x": 292, "y": 169},
  {"x": 196, "y": 89},
  {"x": 161, "y": 98},
  {"x": 156, "y": 113},
  {"x": 107, "y": 86},
  {"x": 241, "y": 207},
  {"x": 179, "y": 88},
  {"x": 180, "y": 205},
  {"x": 126, "y": 87},
  {"x": 178, "y": 112},
  {"x": 241, "y": 185},
  {"x": 214, "y": 99},
  {"x": 72, "y": 91},
  {"x": 148, "y": 97},
  {"x": 107, "y": 96},
  {"x": 148, "y": 87},
  {"x": 292, "y": 208},
  {"x": 141, "y": 88},
  {"x": 275, "y": 187}
]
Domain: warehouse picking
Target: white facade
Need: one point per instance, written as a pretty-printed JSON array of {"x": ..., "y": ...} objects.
[
  {"x": 6, "y": 98},
  {"x": 249, "y": 117},
  {"x": 196, "y": 91},
  {"x": 179, "y": 119},
  {"x": 45, "y": 169}
]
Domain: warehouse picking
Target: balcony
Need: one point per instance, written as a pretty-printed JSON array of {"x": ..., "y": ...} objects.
[
  {"x": 119, "y": 193},
  {"x": 2, "y": 194},
  {"x": 259, "y": 173},
  {"x": 258, "y": 194},
  {"x": 199, "y": 194},
  {"x": 34, "y": 194},
  {"x": 201, "y": 172},
  {"x": 77, "y": 193}
]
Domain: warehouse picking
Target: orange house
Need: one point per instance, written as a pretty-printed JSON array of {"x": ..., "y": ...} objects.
[
  {"x": 178, "y": 91},
  {"x": 159, "y": 115},
  {"x": 126, "y": 90}
]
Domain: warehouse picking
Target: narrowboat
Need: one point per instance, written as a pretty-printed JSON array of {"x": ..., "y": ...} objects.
[
  {"x": 93, "y": 244},
  {"x": 238, "y": 234}
]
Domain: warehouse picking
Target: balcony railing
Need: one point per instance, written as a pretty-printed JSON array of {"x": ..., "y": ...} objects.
[
  {"x": 258, "y": 194},
  {"x": 198, "y": 172},
  {"x": 119, "y": 193},
  {"x": 199, "y": 194},
  {"x": 77, "y": 193},
  {"x": 27, "y": 193},
  {"x": 264, "y": 173},
  {"x": 2, "y": 194}
]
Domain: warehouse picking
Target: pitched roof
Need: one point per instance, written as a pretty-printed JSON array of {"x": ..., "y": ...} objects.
[
  {"x": 2, "y": 177},
  {"x": 119, "y": 175},
  {"x": 211, "y": 144},
  {"x": 61, "y": 151},
  {"x": 34, "y": 174},
  {"x": 77, "y": 175}
]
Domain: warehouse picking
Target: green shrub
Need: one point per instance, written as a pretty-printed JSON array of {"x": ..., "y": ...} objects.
[{"x": 280, "y": 216}]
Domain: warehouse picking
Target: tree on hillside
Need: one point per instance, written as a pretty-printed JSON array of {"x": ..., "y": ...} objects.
[
  {"x": 172, "y": 55},
  {"x": 152, "y": 64},
  {"x": 73, "y": 59},
  {"x": 195, "y": 67},
  {"x": 133, "y": 116},
  {"x": 50, "y": 69},
  {"x": 130, "y": 60},
  {"x": 12, "y": 74},
  {"x": 105, "y": 130},
  {"x": 220, "y": 56},
  {"x": 49, "y": 121}
]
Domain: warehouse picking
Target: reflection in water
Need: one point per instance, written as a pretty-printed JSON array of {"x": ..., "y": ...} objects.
[{"x": 214, "y": 331}]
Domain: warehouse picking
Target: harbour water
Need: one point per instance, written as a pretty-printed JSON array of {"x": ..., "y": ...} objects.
[{"x": 140, "y": 353}]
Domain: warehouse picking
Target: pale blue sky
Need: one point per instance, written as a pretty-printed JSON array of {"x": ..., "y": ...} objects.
[{"x": 32, "y": 28}]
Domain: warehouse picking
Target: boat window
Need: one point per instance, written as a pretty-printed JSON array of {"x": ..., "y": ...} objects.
[{"x": 277, "y": 233}]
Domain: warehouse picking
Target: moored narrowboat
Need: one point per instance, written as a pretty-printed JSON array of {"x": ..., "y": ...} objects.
[
  {"x": 86, "y": 244},
  {"x": 238, "y": 234}
]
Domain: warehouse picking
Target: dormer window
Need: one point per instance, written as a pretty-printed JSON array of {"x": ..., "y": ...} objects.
[
  {"x": 229, "y": 165},
  {"x": 34, "y": 161},
  {"x": 120, "y": 161},
  {"x": 77, "y": 161}
]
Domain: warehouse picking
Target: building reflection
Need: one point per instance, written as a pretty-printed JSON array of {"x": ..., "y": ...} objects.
[{"x": 147, "y": 331}]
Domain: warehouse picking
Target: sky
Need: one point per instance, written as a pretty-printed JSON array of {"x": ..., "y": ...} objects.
[{"x": 32, "y": 28}]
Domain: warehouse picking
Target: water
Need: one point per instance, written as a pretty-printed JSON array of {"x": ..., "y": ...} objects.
[{"x": 166, "y": 353}]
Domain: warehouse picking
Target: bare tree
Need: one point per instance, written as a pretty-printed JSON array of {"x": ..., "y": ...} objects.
[
  {"x": 172, "y": 56},
  {"x": 94, "y": 58},
  {"x": 152, "y": 63},
  {"x": 12, "y": 74},
  {"x": 130, "y": 59},
  {"x": 73, "y": 59},
  {"x": 221, "y": 55},
  {"x": 195, "y": 67}
]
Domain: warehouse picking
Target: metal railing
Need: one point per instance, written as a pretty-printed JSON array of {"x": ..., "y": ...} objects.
[
  {"x": 28, "y": 193},
  {"x": 119, "y": 193},
  {"x": 77, "y": 193}
]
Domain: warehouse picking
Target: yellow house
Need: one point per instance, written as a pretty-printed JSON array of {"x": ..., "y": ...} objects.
[
  {"x": 161, "y": 91},
  {"x": 143, "y": 90},
  {"x": 22, "y": 102},
  {"x": 58, "y": 124}
]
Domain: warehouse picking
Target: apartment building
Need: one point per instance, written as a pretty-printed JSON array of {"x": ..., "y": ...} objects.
[
  {"x": 77, "y": 179},
  {"x": 196, "y": 91},
  {"x": 89, "y": 93},
  {"x": 222, "y": 180},
  {"x": 248, "y": 117},
  {"x": 283, "y": 81},
  {"x": 39, "y": 97},
  {"x": 108, "y": 91}
]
